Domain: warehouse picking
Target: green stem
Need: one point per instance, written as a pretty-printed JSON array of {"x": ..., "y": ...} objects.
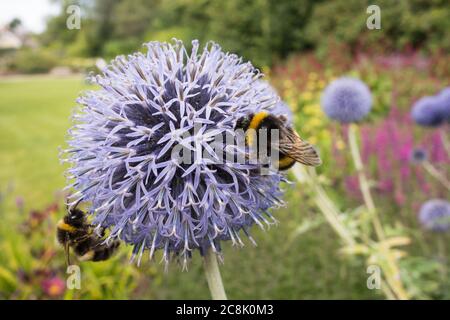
[
  {"x": 213, "y": 275},
  {"x": 332, "y": 214},
  {"x": 392, "y": 271},
  {"x": 445, "y": 140},
  {"x": 363, "y": 183},
  {"x": 324, "y": 203},
  {"x": 442, "y": 258},
  {"x": 436, "y": 174}
]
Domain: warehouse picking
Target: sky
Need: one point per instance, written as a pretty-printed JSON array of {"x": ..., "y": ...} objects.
[{"x": 32, "y": 13}]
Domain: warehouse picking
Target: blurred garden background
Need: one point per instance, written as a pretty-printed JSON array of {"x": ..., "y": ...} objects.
[{"x": 324, "y": 242}]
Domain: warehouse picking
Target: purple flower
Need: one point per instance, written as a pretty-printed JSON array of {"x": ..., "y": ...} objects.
[
  {"x": 346, "y": 100},
  {"x": 434, "y": 215},
  {"x": 124, "y": 135},
  {"x": 427, "y": 112}
]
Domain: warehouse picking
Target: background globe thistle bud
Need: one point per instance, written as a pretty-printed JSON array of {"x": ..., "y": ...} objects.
[
  {"x": 124, "y": 133},
  {"x": 346, "y": 100},
  {"x": 427, "y": 112},
  {"x": 418, "y": 155},
  {"x": 434, "y": 215}
]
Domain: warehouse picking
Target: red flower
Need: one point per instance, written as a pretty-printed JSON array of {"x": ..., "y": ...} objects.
[{"x": 53, "y": 287}]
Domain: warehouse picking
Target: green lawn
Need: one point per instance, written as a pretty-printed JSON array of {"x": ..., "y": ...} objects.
[{"x": 34, "y": 118}]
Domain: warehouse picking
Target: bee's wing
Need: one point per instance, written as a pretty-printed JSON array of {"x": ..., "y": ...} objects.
[{"x": 294, "y": 147}]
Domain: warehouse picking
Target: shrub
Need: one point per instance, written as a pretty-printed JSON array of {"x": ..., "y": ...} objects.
[{"x": 33, "y": 61}]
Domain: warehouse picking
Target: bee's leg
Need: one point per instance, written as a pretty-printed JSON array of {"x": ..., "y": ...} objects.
[
  {"x": 99, "y": 243},
  {"x": 67, "y": 250},
  {"x": 102, "y": 232},
  {"x": 81, "y": 239}
]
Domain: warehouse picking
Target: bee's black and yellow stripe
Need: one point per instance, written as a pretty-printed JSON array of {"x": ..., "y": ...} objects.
[
  {"x": 260, "y": 120},
  {"x": 285, "y": 162},
  {"x": 65, "y": 227},
  {"x": 97, "y": 251}
]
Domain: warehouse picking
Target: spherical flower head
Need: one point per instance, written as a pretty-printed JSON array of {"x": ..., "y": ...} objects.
[
  {"x": 427, "y": 112},
  {"x": 434, "y": 215},
  {"x": 125, "y": 134},
  {"x": 418, "y": 155},
  {"x": 346, "y": 100}
]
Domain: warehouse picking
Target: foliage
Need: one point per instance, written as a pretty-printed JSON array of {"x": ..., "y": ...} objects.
[
  {"x": 404, "y": 23},
  {"x": 262, "y": 31},
  {"x": 33, "y": 61}
]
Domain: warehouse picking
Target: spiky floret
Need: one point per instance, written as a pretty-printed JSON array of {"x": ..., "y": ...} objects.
[{"x": 123, "y": 136}]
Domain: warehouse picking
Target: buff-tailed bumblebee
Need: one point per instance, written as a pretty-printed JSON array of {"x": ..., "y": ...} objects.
[
  {"x": 74, "y": 232},
  {"x": 290, "y": 146}
]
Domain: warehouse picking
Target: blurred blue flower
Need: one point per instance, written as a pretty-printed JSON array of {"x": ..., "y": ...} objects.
[
  {"x": 434, "y": 215},
  {"x": 346, "y": 100},
  {"x": 418, "y": 155},
  {"x": 124, "y": 134},
  {"x": 427, "y": 112}
]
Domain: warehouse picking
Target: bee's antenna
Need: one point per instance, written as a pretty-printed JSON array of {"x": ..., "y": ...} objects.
[{"x": 70, "y": 206}]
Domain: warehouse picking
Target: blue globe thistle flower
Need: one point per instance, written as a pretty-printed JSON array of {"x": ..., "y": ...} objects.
[
  {"x": 434, "y": 215},
  {"x": 418, "y": 155},
  {"x": 123, "y": 136},
  {"x": 427, "y": 112},
  {"x": 346, "y": 100}
]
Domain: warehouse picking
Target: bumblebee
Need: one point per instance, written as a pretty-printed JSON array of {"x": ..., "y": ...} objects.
[
  {"x": 74, "y": 231},
  {"x": 290, "y": 146}
]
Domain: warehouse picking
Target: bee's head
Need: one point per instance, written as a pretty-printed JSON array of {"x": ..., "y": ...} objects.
[
  {"x": 244, "y": 122},
  {"x": 75, "y": 217}
]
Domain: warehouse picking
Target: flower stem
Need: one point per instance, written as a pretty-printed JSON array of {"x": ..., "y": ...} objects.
[
  {"x": 332, "y": 214},
  {"x": 445, "y": 140},
  {"x": 323, "y": 202},
  {"x": 392, "y": 271},
  {"x": 436, "y": 174},
  {"x": 213, "y": 276},
  {"x": 363, "y": 183}
]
